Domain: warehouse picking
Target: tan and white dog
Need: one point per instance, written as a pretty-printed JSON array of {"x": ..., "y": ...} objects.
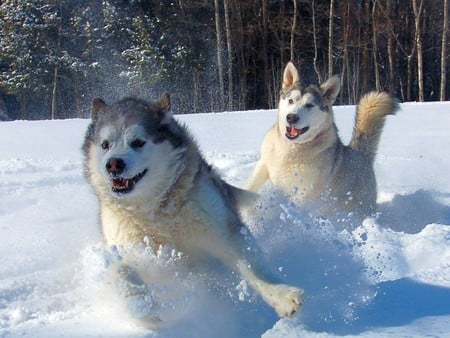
[
  {"x": 303, "y": 155},
  {"x": 154, "y": 186}
]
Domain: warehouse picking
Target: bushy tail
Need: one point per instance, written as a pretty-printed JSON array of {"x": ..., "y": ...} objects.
[{"x": 370, "y": 116}]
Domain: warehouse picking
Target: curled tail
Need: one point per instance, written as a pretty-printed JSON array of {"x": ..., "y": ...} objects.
[{"x": 370, "y": 116}]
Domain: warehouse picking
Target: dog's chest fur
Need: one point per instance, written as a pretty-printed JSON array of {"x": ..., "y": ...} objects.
[
  {"x": 184, "y": 219},
  {"x": 304, "y": 172},
  {"x": 328, "y": 176},
  {"x": 121, "y": 226}
]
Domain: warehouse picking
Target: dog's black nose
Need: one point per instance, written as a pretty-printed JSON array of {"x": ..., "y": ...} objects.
[
  {"x": 292, "y": 118},
  {"x": 115, "y": 166}
]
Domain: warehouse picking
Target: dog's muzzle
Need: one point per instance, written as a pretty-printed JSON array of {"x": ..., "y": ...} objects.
[
  {"x": 291, "y": 132},
  {"x": 123, "y": 185},
  {"x": 115, "y": 167}
]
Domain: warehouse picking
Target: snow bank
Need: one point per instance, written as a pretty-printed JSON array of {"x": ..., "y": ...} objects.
[{"x": 388, "y": 276}]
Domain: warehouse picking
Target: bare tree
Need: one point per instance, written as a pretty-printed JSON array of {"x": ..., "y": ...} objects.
[
  {"x": 375, "y": 45},
  {"x": 226, "y": 8},
  {"x": 195, "y": 71},
  {"x": 294, "y": 24},
  {"x": 55, "y": 69},
  {"x": 330, "y": 39},
  {"x": 242, "y": 58},
  {"x": 265, "y": 52},
  {"x": 418, "y": 9},
  {"x": 370, "y": 43},
  {"x": 390, "y": 51},
  {"x": 219, "y": 55},
  {"x": 345, "y": 62},
  {"x": 363, "y": 45},
  {"x": 316, "y": 69},
  {"x": 408, "y": 54},
  {"x": 444, "y": 52}
]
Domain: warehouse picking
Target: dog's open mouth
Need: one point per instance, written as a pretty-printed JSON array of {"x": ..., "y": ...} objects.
[
  {"x": 292, "y": 133},
  {"x": 123, "y": 185}
]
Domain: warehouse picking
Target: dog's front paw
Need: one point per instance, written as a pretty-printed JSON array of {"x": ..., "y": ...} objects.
[
  {"x": 138, "y": 299},
  {"x": 286, "y": 300},
  {"x": 143, "y": 308}
]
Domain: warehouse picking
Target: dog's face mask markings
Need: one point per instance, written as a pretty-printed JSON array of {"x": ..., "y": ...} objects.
[
  {"x": 125, "y": 138},
  {"x": 118, "y": 152},
  {"x": 300, "y": 117},
  {"x": 300, "y": 106},
  {"x": 305, "y": 112}
]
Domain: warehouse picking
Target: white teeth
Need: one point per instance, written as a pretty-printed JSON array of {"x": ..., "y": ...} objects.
[{"x": 126, "y": 184}]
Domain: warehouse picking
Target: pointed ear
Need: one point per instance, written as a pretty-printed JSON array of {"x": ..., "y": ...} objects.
[
  {"x": 330, "y": 89},
  {"x": 164, "y": 105},
  {"x": 290, "y": 76},
  {"x": 97, "y": 106}
]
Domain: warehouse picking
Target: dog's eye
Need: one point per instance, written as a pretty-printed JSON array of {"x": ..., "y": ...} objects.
[
  {"x": 291, "y": 101},
  {"x": 309, "y": 105},
  {"x": 137, "y": 144},
  {"x": 105, "y": 145}
]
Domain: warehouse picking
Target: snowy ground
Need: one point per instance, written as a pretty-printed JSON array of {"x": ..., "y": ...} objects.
[{"x": 388, "y": 277}]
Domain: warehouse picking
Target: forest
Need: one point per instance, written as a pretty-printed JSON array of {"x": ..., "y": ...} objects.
[{"x": 214, "y": 55}]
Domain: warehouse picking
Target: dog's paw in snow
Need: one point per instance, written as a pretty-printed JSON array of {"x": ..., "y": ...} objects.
[
  {"x": 138, "y": 298},
  {"x": 285, "y": 299},
  {"x": 142, "y": 308}
]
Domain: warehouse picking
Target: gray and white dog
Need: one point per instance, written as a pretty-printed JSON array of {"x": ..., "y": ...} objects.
[
  {"x": 303, "y": 155},
  {"x": 152, "y": 183}
]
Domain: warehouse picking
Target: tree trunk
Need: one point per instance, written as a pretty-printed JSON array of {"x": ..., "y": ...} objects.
[
  {"x": 357, "y": 69},
  {"x": 265, "y": 56},
  {"x": 275, "y": 78},
  {"x": 444, "y": 53},
  {"x": 390, "y": 50},
  {"x": 330, "y": 40},
  {"x": 53, "y": 105},
  {"x": 294, "y": 24},
  {"x": 226, "y": 8},
  {"x": 55, "y": 70},
  {"x": 281, "y": 14},
  {"x": 345, "y": 63},
  {"x": 418, "y": 39},
  {"x": 409, "y": 78},
  {"x": 78, "y": 106},
  {"x": 3, "y": 110},
  {"x": 316, "y": 69},
  {"x": 196, "y": 89},
  {"x": 242, "y": 64},
  {"x": 219, "y": 56},
  {"x": 375, "y": 46},
  {"x": 365, "y": 53},
  {"x": 23, "y": 107}
]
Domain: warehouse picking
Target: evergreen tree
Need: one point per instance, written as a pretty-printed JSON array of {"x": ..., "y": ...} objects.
[{"x": 26, "y": 49}]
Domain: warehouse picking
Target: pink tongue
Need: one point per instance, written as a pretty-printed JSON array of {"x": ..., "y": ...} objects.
[{"x": 293, "y": 131}]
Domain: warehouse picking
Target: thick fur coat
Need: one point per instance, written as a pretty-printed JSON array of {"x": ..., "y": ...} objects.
[
  {"x": 154, "y": 186},
  {"x": 303, "y": 155}
]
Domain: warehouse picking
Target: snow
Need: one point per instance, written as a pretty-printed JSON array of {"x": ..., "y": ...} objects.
[{"x": 387, "y": 277}]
